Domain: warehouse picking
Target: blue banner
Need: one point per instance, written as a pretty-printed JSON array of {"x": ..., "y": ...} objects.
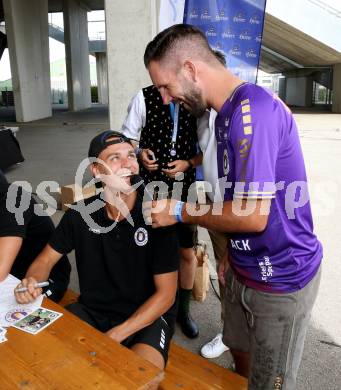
[{"x": 234, "y": 27}]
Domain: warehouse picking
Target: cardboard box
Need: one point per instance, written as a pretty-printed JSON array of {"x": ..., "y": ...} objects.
[{"x": 68, "y": 194}]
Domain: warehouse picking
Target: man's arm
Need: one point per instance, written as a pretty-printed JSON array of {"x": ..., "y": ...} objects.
[
  {"x": 136, "y": 117},
  {"x": 38, "y": 271},
  {"x": 237, "y": 216},
  {"x": 9, "y": 249},
  {"x": 153, "y": 308}
]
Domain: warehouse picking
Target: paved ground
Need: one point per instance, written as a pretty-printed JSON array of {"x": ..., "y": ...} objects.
[{"x": 54, "y": 147}]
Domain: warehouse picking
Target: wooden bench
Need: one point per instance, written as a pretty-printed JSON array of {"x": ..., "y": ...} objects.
[{"x": 186, "y": 370}]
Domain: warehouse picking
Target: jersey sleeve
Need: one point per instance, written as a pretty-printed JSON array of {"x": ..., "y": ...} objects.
[
  {"x": 136, "y": 117},
  {"x": 165, "y": 250},
  {"x": 255, "y": 138},
  {"x": 62, "y": 239}
]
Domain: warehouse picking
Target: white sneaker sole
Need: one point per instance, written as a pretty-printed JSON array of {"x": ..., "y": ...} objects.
[{"x": 213, "y": 356}]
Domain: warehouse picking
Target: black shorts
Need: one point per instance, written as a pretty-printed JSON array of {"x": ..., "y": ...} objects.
[
  {"x": 157, "y": 335},
  {"x": 186, "y": 235}
]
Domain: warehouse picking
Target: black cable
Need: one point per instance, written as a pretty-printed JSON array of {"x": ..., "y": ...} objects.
[{"x": 214, "y": 289}]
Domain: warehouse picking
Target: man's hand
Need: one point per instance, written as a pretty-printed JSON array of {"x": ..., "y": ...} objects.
[
  {"x": 175, "y": 167},
  {"x": 116, "y": 334},
  {"x": 115, "y": 183},
  {"x": 159, "y": 213},
  {"x": 148, "y": 160},
  {"x": 31, "y": 294},
  {"x": 222, "y": 268}
]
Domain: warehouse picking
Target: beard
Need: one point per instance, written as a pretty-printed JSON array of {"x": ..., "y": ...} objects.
[{"x": 193, "y": 102}]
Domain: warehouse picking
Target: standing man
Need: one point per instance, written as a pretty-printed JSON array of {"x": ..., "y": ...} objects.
[
  {"x": 208, "y": 146},
  {"x": 167, "y": 148},
  {"x": 274, "y": 273}
]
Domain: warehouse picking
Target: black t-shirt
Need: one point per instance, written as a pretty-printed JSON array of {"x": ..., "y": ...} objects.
[
  {"x": 36, "y": 232},
  {"x": 116, "y": 268}
]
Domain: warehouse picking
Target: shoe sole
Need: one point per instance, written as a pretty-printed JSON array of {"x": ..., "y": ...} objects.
[{"x": 212, "y": 357}]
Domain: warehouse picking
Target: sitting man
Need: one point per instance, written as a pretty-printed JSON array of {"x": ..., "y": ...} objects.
[
  {"x": 20, "y": 243},
  {"x": 127, "y": 273},
  {"x": 165, "y": 156}
]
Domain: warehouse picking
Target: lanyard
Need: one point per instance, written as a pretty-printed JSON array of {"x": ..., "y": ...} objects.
[{"x": 174, "y": 111}]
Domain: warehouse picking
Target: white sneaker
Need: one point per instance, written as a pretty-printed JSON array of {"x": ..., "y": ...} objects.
[{"x": 214, "y": 348}]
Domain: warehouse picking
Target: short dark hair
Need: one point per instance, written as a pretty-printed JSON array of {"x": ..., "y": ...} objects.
[
  {"x": 220, "y": 56},
  {"x": 166, "y": 40}
]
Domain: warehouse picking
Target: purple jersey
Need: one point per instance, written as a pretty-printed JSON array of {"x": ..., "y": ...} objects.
[{"x": 259, "y": 154}]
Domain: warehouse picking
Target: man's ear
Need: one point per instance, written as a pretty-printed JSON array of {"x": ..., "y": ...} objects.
[
  {"x": 94, "y": 170},
  {"x": 190, "y": 69}
]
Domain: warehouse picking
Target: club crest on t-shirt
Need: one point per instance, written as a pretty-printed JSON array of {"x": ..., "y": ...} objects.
[{"x": 141, "y": 236}]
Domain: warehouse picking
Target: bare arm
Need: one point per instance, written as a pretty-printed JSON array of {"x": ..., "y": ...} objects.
[
  {"x": 38, "y": 271},
  {"x": 9, "y": 249},
  {"x": 153, "y": 308},
  {"x": 237, "y": 216}
]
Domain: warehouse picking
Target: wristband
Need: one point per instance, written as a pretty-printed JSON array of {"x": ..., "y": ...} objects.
[{"x": 178, "y": 211}]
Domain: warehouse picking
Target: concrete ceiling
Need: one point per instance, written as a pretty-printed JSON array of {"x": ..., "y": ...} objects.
[
  {"x": 284, "y": 41},
  {"x": 284, "y": 48},
  {"x": 91, "y": 5}
]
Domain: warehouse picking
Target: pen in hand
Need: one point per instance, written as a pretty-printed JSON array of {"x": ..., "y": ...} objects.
[{"x": 37, "y": 285}]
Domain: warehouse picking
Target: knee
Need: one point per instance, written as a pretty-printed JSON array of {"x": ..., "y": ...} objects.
[
  {"x": 188, "y": 256},
  {"x": 149, "y": 353}
]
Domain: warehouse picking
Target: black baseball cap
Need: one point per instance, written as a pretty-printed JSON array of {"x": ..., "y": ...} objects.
[{"x": 103, "y": 140}]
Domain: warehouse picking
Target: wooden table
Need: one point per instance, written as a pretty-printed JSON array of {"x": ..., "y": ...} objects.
[{"x": 70, "y": 354}]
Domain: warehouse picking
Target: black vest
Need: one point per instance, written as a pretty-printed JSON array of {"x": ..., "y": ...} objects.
[{"x": 157, "y": 136}]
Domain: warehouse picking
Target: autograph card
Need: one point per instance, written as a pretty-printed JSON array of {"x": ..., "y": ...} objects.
[{"x": 37, "y": 320}]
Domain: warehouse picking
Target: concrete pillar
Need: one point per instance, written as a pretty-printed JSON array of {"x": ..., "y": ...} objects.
[
  {"x": 77, "y": 55},
  {"x": 299, "y": 91},
  {"x": 102, "y": 78},
  {"x": 28, "y": 43},
  {"x": 336, "y": 106},
  {"x": 130, "y": 25},
  {"x": 282, "y": 88}
]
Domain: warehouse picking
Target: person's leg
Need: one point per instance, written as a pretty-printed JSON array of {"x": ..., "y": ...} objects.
[
  {"x": 188, "y": 265},
  {"x": 152, "y": 343},
  {"x": 278, "y": 325},
  {"x": 215, "y": 347},
  {"x": 149, "y": 353},
  {"x": 236, "y": 330}
]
